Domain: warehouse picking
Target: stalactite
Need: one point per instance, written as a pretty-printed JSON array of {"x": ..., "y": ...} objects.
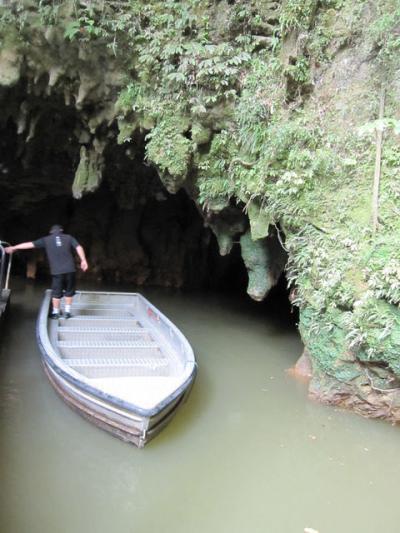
[{"x": 89, "y": 172}]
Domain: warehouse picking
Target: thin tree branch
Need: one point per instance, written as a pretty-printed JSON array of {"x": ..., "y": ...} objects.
[{"x": 378, "y": 159}]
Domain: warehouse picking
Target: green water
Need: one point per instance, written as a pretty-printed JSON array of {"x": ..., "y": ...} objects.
[{"x": 247, "y": 453}]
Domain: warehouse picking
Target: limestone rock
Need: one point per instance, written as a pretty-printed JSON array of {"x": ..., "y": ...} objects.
[
  {"x": 89, "y": 172},
  {"x": 10, "y": 66},
  {"x": 264, "y": 262},
  {"x": 227, "y": 222},
  {"x": 259, "y": 221}
]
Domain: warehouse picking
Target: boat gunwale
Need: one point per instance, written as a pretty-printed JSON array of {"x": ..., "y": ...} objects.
[{"x": 55, "y": 361}]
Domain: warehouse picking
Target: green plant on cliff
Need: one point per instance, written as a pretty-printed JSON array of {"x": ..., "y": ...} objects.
[
  {"x": 382, "y": 270},
  {"x": 215, "y": 180},
  {"x": 169, "y": 149},
  {"x": 296, "y": 15},
  {"x": 373, "y": 332},
  {"x": 172, "y": 48},
  {"x": 384, "y": 30}
]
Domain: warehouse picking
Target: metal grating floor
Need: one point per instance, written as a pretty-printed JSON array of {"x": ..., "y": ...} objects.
[
  {"x": 105, "y": 341},
  {"x": 111, "y": 368},
  {"x": 109, "y": 345}
]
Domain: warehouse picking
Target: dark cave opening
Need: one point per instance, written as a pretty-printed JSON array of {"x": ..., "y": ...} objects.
[
  {"x": 162, "y": 242},
  {"x": 134, "y": 231}
]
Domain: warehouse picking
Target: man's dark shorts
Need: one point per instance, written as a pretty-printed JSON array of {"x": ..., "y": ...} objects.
[{"x": 63, "y": 285}]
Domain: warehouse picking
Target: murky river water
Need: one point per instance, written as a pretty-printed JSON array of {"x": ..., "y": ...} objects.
[{"x": 247, "y": 453}]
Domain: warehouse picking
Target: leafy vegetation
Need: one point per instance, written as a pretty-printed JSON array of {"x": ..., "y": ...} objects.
[
  {"x": 297, "y": 15},
  {"x": 384, "y": 30}
]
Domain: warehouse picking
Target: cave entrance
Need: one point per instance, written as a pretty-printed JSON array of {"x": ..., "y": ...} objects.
[{"x": 135, "y": 232}]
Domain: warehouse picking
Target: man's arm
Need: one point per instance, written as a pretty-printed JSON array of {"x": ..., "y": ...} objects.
[
  {"x": 81, "y": 252},
  {"x": 21, "y": 246}
]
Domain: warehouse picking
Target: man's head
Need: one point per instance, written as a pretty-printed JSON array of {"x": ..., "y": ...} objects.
[{"x": 56, "y": 229}]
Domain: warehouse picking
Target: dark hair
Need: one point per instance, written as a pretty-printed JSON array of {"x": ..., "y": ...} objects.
[{"x": 56, "y": 229}]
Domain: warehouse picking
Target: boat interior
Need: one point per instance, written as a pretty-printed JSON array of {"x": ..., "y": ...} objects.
[{"x": 122, "y": 345}]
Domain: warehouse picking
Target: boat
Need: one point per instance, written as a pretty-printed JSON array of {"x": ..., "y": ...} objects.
[
  {"x": 5, "y": 269},
  {"x": 118, "y": 361}
]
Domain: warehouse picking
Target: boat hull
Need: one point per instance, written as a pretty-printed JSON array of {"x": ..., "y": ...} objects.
[
  {"x": 121, "y": 419},
  {"x": 137, "y": 431},
  {"x": 4, "y": 302}
]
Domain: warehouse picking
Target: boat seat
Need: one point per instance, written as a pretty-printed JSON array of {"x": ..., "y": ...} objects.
[
  {"x": 119, "y": 367},
  {"x": 83, "y": 328},
  {"x": 103, "y": 334},
  {"x": 102, "y": 311},
  {"x": 109, "y": 348},
  {"x": 107, "y": 344},
  {"x": 98, "y": 322},
  {"x": 138, "y": 361}
]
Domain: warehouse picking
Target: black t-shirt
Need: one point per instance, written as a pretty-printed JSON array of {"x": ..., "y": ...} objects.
[{"x": 58, "y": 248}]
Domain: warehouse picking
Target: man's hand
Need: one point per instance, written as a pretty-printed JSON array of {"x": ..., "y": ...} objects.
[
  {"x": 81, "y": 252},
  {"x": 21, "y": 246}
]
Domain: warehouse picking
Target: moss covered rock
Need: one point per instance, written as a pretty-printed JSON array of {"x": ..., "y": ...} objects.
[{"x": 89, "y": 172}]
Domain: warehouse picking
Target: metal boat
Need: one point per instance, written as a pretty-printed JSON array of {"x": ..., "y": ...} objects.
[
  {"x": 118, "y": 361},
  {"x": 5, "y": 269}
]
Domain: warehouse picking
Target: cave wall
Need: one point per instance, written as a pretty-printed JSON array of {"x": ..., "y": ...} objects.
[{"x": 267, "y": 115}]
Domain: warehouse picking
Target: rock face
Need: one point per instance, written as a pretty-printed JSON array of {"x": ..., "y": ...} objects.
[
  {"x": 256, "y": 121},
  {"x": 10, "y": 66},
  {"x": 261, "y": 257}
]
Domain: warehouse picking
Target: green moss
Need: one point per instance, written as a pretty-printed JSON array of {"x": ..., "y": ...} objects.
[
  {"x": 170, "y": 152},
  {"x": 257, "y": 259},
  {"x": 126, "y": 129},
  {"x": 200, "y": 134},
  {"x": 325, "y": 338},
  {"x": 259, "y": 221}
]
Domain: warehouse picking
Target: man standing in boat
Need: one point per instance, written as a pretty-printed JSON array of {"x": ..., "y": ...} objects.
[{"x": 59, "y": 247}]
